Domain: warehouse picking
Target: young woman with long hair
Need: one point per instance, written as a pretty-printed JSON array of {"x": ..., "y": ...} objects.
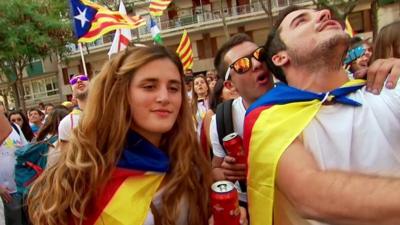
[
  {"x": 134, "y": 157},
  {"x": 19, "y": 118},
  {"x": 387, "y": 42}
]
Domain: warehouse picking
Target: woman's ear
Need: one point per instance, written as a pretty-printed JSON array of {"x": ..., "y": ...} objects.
[{"x": 280, "y": 59}]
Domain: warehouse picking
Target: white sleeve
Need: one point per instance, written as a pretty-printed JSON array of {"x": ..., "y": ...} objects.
[
  {"x": 218, "y": 150},
  {"x": 64, "y": 128}
]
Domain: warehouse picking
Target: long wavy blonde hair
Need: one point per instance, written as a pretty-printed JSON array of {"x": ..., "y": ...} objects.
[{"x": 63, "y": 193}]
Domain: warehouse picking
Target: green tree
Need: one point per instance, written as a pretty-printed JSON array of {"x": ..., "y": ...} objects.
[
  {"x": 341, "y": 8},
  {"x": 30, "y": 29}
]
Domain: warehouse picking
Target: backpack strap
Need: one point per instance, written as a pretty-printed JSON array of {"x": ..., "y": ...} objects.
[{"x": 224, "y": 120}]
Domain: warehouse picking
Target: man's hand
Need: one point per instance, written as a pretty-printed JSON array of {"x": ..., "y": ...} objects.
[
  {"x": 378, "y": 72},
  {"x": 233, "y": 171},
  {"x": 5, "y": 195}
]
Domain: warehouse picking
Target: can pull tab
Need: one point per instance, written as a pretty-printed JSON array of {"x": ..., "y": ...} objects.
[{"x": 223, "y": 187}]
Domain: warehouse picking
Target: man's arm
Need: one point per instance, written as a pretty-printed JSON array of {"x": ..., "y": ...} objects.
[
  {"x": 333, "y": 196},
  {"x": 5, "y": 128}
]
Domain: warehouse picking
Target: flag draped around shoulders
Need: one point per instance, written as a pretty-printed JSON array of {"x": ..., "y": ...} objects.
[
  {"x": 185, "y": 51},
  {"x": 157, "y": 7},
  {"x": 126, "y": 198},
  {"x": 272, "y": 123},
  {"x": 91, "y": 20}
]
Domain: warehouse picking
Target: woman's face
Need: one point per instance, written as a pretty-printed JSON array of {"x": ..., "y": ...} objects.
[
  {"x": 16, "y": 118},
  {"x": 200, "y": 86},
  {"x": 155, "y": 99}
]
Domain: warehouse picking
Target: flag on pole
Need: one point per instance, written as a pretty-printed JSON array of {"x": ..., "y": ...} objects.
[
  {"x": 91, "y": 20},
  {"x": 185, "y": 51},
  {"x": 348, "y": 29},
  {"x": 122, "y": 36},
  {"x": 157, "y": 7},
  {"x": 155, "y": 32}
]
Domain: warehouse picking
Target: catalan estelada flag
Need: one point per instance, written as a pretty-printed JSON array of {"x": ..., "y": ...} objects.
[
  {"x": 271, "y": 124},
  {"x": 185, "y": 51},
  {"x": 126, "y": 198},
  {"x": 91, "y": 20},
  {"x": 157, "y": 7}
]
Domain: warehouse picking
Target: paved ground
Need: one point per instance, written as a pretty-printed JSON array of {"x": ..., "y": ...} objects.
[{"x": 1, "y": 213}]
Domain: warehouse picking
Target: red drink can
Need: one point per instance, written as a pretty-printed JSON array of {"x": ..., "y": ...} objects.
[
  {"x": 224, "y": 203},
  {"x": 234, "y": 146}
]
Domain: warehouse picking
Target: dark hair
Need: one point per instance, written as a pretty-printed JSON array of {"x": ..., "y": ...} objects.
[
  {"x": 219, "y": 63},
  {"x": 37, "y": 110},
  {"x": 274, "y": 43},
  {"x": 387, "y": 42},
  {"x": 52, "y": 121},
  {"x": 26, "y": 129},
  {"x": 216, "y": 95}
]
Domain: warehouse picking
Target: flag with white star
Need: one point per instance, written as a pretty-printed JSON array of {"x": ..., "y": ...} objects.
[{"x": 91, "y": 20}]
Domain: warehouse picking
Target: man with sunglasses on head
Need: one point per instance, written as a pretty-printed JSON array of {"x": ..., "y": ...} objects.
[
  {"x": 312, "y": 138},
  {"x": 80, "y": 88}
]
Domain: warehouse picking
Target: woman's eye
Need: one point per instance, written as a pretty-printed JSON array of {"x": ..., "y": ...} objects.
[
  {"x": 148, "y": 87},
  {"x": 174, "y": 89}
]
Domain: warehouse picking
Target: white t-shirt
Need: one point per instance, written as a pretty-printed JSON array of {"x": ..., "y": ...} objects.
[
  {"x": 157, "y": 202},
  {"x": 238, "y": 113},
  {"x": 66, "y": 125},
  {"x": 363, "y": 139},
  {"x": 7, "y": 158}
]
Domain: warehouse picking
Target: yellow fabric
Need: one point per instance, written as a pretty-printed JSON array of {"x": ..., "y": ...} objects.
[
  {"x": 131, "y": 203},
  {"x": 274, "y": 130}
]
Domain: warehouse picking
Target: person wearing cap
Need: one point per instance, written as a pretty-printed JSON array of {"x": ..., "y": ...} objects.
[{"x": 80, "y": 88}]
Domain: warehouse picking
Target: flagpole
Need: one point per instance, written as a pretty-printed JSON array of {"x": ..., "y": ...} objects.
[{"x": 83, "y": 59}]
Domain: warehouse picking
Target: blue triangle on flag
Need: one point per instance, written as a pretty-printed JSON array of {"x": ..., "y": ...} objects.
[{"x": 82, "y": 16}]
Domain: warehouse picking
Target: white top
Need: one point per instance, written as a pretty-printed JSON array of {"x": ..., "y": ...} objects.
[
  {"x": 7, "y": 158},
  {"x": 157, "y": 202},
  {"x": 238, "y": 113},
  {"x": 66, "y": 125},
  {"x": 363, "y": 139}
]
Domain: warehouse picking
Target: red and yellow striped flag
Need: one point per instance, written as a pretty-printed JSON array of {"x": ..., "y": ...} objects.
[
  {"x": 91, "y": 20},
  {"x": 185, "y": 51},
  {"x": 157, "y": 7}
]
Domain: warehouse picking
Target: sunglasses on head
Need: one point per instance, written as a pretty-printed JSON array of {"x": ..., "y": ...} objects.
[
  {"x": 244, "y": 64},
  {"x": 75, "y": 79}
]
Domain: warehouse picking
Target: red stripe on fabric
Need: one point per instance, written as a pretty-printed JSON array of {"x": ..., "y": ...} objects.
[
  {"x": 184, "y": 43},
  {"x": 154, "y": 10},
  {"x": 187, "y": 63},
  {"x": 124, "y": 40},
  {"x": 103, "y": 15},
  {"x": 158, "y": 4},
  {"x": 117, "y": 178},
  {"x": 94, "y": 32},
  {"x": 250, "y": 120}
]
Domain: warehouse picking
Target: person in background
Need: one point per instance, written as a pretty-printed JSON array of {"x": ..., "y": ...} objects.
[
  {"x": 35, "y": 120},
  {"x": 361, "y": 63},
  {"x": 12, "y": 201},
  {"x": 42, "y": 107},
  {"x": 18, "y": 117},
  {"x": 200, "y": 104},
  {"x": 387, "y": 42},
  {"x": 49, "y": 129},
  {"x": 135, "y": 150},
  {"x": 211, "y": 79},
  {"x": 189, "y": 84},
  {"x": 80, "y": 90}
]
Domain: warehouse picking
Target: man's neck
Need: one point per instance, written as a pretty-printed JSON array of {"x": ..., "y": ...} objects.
[
  {"x": 81, "y": 104},
  {"x": 322, "y": 79}
]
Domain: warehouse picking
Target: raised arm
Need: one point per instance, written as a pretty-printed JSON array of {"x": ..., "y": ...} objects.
[{"x": 336, "y": 197}]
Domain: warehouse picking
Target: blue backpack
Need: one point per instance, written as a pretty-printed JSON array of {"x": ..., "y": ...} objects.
[{"x": 31, "y": 161}]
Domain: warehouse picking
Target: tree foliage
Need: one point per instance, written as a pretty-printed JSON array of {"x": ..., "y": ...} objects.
[
  {"x": 341, "y": 8},
  {"x": 30, "y": 29}
]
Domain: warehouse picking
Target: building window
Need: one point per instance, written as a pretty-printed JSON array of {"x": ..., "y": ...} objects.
[
  {"x": 37, "y": 89},
  {"x": 35, "y": 68}
]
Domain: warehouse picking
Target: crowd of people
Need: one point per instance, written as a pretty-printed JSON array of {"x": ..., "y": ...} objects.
[{"x": 143, "y": 145}]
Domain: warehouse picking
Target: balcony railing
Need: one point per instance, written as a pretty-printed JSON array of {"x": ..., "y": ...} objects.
[{"x": 196, "y": 18}]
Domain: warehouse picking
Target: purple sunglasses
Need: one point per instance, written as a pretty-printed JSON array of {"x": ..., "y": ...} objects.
[{"x": 75, "y": 79}]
